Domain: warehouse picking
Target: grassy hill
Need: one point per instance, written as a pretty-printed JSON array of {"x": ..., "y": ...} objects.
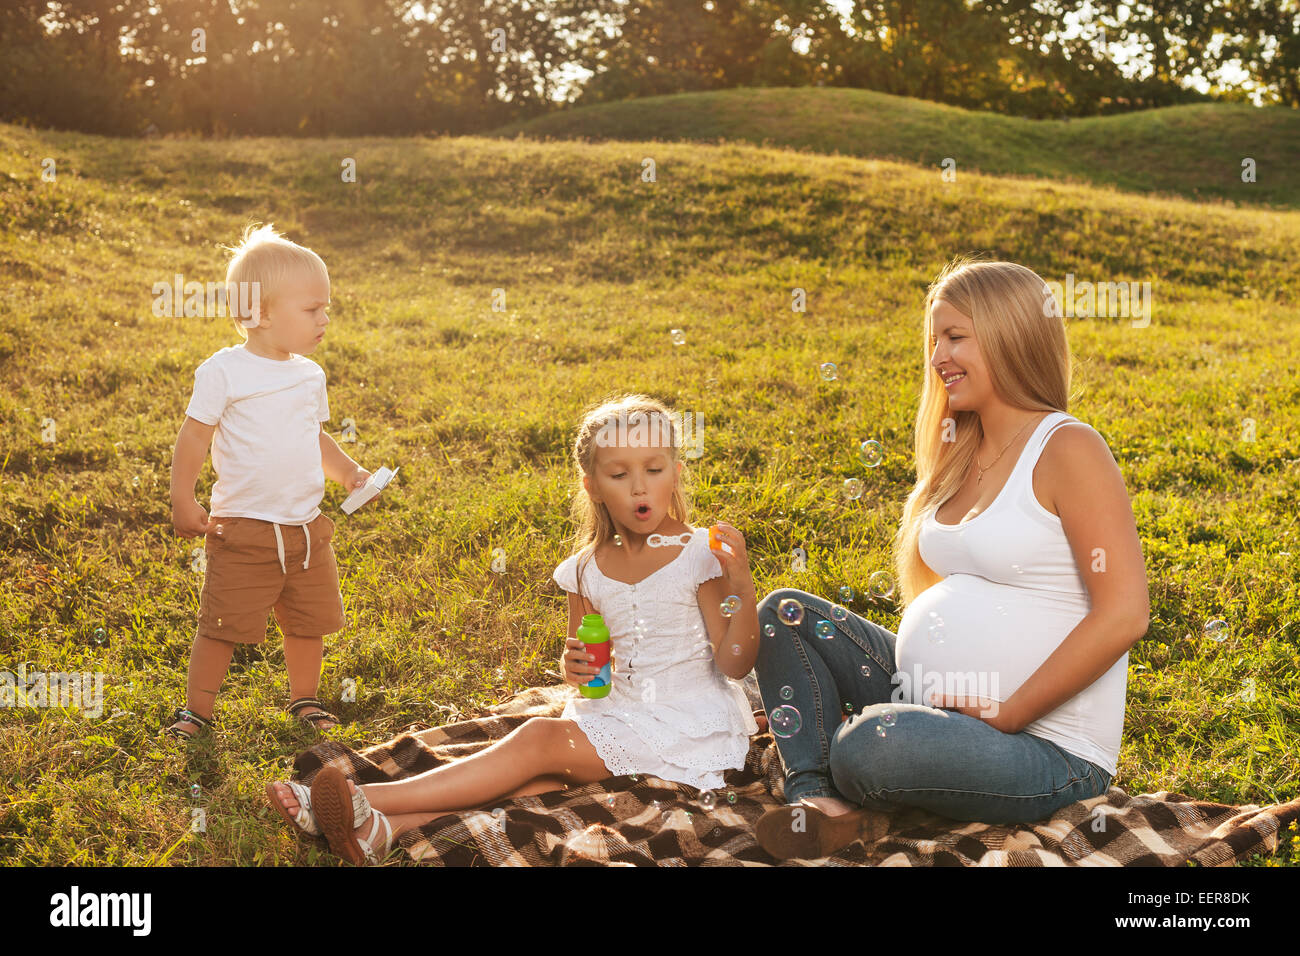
[
  {"x": 1194, "y": 151},
  {"x": 478, "y": 408}
]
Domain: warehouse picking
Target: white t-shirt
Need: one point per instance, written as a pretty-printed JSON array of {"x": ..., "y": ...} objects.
[{"x": 266, "y": 449}]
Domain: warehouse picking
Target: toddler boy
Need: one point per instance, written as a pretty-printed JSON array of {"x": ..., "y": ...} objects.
[{"x": 260, "y": 405}]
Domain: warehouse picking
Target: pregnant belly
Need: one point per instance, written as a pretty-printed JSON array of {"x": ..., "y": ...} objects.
[{"x": 971, "y": 636}]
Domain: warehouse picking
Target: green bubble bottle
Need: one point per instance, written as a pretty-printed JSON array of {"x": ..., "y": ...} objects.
[{"x": 595, "y": 635}]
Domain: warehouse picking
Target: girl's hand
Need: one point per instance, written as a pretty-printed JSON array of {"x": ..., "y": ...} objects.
[
  {"x": 735, "y": 566},
  {"x": 576, "y": 662},
  {"x": 357, "y": 479},
  {"x": 995, "y": 713}
]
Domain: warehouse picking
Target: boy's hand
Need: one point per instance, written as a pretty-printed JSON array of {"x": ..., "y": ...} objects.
[
  {"x": 190, "y": 520},
  {"x": 357, "y": 479},
  {"x": 735, "y": 567}
]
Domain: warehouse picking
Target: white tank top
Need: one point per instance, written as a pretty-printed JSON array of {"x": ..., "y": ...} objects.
[{"x": 1011, "y": 593}]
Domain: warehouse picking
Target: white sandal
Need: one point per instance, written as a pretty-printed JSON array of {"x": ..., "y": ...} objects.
[
  {"x": 304, "y": 821},
  {"x": 340, "y": 817}
]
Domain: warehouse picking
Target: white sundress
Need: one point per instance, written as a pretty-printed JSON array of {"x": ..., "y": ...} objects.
[{"x": 671, "y": 712}]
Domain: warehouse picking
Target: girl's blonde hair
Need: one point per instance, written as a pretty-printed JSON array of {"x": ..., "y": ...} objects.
[
  {"x": 599, "y": 425},
  {"x": 266, "y": 258},
  {"x": 1021, "y": 336}
]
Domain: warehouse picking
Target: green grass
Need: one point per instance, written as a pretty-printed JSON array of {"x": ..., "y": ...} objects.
[
  {"x": 478, "y": 408},
  {"x": 1193, "y": 151}
]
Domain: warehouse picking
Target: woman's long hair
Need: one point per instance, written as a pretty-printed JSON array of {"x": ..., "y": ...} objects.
[
  {"x": 1021, "y": 334},
  {"x": 592, "y": 520}
]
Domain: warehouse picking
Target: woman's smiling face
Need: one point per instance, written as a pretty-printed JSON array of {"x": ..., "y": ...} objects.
[{"x": 955, "y": 357}]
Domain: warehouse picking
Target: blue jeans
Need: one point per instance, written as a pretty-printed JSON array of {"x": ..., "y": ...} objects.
[{"x": 940, "y": 760}]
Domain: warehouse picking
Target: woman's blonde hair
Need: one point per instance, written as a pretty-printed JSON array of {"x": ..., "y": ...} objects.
[
  {"x": 266, "y": 258},
  {"x": 1021, "y": 336},
  {"x": 605, "y": 425}
]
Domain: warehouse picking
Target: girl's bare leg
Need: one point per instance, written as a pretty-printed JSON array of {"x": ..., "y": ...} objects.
[
  {"x": 542, "y": 783},
  {"x": 402, "y": 822},
  {"x": 545, "y": 747}
]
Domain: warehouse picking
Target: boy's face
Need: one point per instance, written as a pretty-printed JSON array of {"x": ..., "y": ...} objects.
[
  {"x": 636, "y": 484},
  {"x": 296, "y": 320}
]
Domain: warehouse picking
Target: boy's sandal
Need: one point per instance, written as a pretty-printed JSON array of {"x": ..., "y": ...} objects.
[
  {"x": 182, "y": 715},
  {"x": 312, "y": 720},
  {"x": 818, "y": 834},
  {"x": 340, "y": 813}
]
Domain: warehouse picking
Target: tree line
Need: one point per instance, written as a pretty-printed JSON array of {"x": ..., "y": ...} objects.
[{"x": 357, "y": 67}]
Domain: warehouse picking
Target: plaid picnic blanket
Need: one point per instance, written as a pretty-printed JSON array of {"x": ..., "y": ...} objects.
[{"x": 652, "y": 822}]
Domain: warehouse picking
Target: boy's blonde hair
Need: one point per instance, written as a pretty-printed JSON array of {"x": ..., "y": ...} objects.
[
  {"x": 266, "y": 258},
  {"x": 1021, "y": 337},
  {"x": 595, "y": 526}
]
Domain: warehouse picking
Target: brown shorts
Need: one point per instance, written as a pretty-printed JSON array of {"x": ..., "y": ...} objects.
[{"x": 244, "y": 581}]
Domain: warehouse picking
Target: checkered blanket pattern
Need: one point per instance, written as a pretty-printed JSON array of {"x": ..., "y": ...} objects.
[{"x": 651, "y": 822}]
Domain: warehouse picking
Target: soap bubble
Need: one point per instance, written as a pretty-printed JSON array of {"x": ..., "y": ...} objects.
[
  {"x": 888, "y": 717},
  {"x": 730, "y": 606},
  {"x": 853, "y": 488},
  {"x": 195, "y": 790},
  {"x": 880, "y": 731},
  {"x": 846, "y": 594},
  {"x": 787, "y": 692},
  {"x": 785, "y": 721},
  {"x": 829, "y": 371},
  {"x": 731, "y": 796},
  {"x": 769, "y": 630},
  {"x": 1216, "y": 629},
  {"x": 101, "y": 635},
  {"x": 938, "y": 633},
  {"x": 870, "y": 453},
  {"x": 735, "y": 648},
  {"x": 708, "y": 800},
  {"x": 1018, "y": 569},
  {"x": 848, "y": 707},
  {"x": 679, "y": 337},
  {"x": 825, "y": 629},
  {"x": 866, "y": 670},
  {"x": 221, "y": 530},
  {"x": 881, "y": 584},
  {"x": 839, "y": 613},
  {"x": 790, "y": 612}
]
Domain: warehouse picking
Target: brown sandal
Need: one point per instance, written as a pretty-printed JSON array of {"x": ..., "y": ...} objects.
[
  {"x": 340, "y": 813},
  {"x": 312, "y": 720},
  {"x": 805, "y": 832}
]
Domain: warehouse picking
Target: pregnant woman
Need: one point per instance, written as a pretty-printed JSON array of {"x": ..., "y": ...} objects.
[{"x": 1001, "y": 698}]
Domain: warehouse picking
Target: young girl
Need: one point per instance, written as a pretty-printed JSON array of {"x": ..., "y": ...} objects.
[{"x": 682, "y": 619}]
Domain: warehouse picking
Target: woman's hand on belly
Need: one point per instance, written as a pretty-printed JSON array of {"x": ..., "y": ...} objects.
[{"x": 998, "y": 714}]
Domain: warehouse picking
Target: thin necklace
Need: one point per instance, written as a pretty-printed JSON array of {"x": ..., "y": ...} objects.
[{"x": 1000, "y": 454}]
